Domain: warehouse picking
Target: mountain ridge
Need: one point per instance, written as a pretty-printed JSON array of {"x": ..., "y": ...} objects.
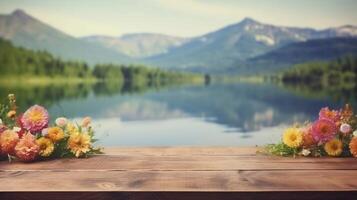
[
  {"x": 238, "y": 42},
  {"x": 211, "y": 52},
  {"x": 137, "y": 45},
  {"x": 29, "y": 32}
]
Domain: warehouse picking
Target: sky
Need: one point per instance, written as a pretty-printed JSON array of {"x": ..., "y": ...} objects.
[{"x": 184, "y": 18}]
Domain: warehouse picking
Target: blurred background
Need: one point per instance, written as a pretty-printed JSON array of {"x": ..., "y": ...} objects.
[{"x": 193, "y": 72}]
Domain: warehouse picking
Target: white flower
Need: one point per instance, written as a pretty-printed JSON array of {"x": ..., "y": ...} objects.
[
  {"x": 61, "y": 121},
  {"x": 0, "y": 121},
  {"x": 345, "y": 128},
  {"x": 16, "y": 129},
  {"x": 305, "y": 152}
]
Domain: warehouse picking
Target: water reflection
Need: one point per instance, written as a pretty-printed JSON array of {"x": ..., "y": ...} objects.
[{"x": 218, "y": 114}]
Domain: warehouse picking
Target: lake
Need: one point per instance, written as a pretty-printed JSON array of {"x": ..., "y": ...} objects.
[{"x": 235, "y": 114}]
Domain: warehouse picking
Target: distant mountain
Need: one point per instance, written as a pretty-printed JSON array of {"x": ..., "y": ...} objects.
[
  {"x": 138, "y": 45},
  {"x": 26, "y": 31},
  {"x": 238, "y": 42},
  {"x": 232, "y": 47},
  {"x": 299, "y": 52}
]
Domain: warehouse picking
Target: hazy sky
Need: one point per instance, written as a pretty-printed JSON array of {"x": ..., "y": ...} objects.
[{"x": 180, "y": 17}]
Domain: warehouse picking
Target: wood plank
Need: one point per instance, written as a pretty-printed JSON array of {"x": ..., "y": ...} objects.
[
  {"x": 185, "y": 163},
  {"x": 181, "y": 151},
  {"x": 181, "y": 173},
  {"x": 213, "y": 181}
]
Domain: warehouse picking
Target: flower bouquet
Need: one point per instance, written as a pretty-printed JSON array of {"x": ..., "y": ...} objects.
[
  {"x": 29, "y": 136},
  {"x": 334, "y": 133}
]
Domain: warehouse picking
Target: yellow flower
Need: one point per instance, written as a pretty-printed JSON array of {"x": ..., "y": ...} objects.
[
  {"x": 46, "y": 146},
  {"x": 55, "y": 134},
  {"x": 71, "y": 128},
  {"x": 334, "y": 147},
  {"x": 293, "y": 137},
  {"x": 79, "y": 143}
]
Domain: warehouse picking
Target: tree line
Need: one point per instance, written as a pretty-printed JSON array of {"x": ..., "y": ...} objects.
[
  {"x": 18, "y": 61},
  {"x": 340, "y": 71}
]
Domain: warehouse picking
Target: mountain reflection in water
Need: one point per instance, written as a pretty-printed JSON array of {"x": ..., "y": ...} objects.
[{"x": 239, "y": 114}]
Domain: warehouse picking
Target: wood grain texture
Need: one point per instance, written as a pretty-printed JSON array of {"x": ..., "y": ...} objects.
[
  {"x": 185, "y": 163},
  {"x": 311, "y": 180},
  {"x": 181, "y": 173}
]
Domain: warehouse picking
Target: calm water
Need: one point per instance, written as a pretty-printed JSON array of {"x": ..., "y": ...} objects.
[{"x": 238, "y": 114}]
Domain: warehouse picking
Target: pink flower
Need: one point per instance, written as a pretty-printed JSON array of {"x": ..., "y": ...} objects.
[
  {"x": 27, "y": 149},
  {"x": 323, "y": 130},
  {"x": 35, "y": 119},
  {"x": 86, "y": 121},
  {"x": 332, "y": 115},
  {"x": 345, "y": 128},
  {"x": 61, "y": 121}
]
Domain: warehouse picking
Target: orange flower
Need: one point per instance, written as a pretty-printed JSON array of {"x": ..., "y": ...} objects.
[
  {"x": 334, "y": 147},
  {"x": 308, "y": 139},
  {"x": 27, "y": 149},
  {"x": 8, "y": 141},
  {"x": 353, "y": 146}
]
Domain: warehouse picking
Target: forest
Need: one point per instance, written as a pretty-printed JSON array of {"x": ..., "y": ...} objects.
[
  {"x": 21, "y": 62},
  {"x": 340, "y": 71}
]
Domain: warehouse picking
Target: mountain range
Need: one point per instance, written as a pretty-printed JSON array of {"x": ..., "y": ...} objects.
[
  {"x": 231, "y": 48},
  {"x": 234, "y": 44},
  {"x": 25, "y": 31},
  {"x": 138, "y": 45}
]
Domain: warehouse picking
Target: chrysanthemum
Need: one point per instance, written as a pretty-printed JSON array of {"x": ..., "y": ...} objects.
[
  {"x": 323, "y": 130},
  {"x": 72, "y": 128},
  {"x": 334, "y": 147},
  {"x": 8, "y": 141},
  {"x": 79, "y": 143},
  {"x": 35, "y": 119},
  {"x": 46, "y": 146},
  {"x": 55, "y": 134},
  {"x": 353, "y": 146},
  {"x": 308, "y": 140},
  {"x": 332, "y": 115},
  {"x": 27, "y": 149},
  {"x": 293, "y": 137}
]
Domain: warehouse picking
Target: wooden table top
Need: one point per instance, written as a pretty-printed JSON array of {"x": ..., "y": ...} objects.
[{"x": 182, "y": 169}]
